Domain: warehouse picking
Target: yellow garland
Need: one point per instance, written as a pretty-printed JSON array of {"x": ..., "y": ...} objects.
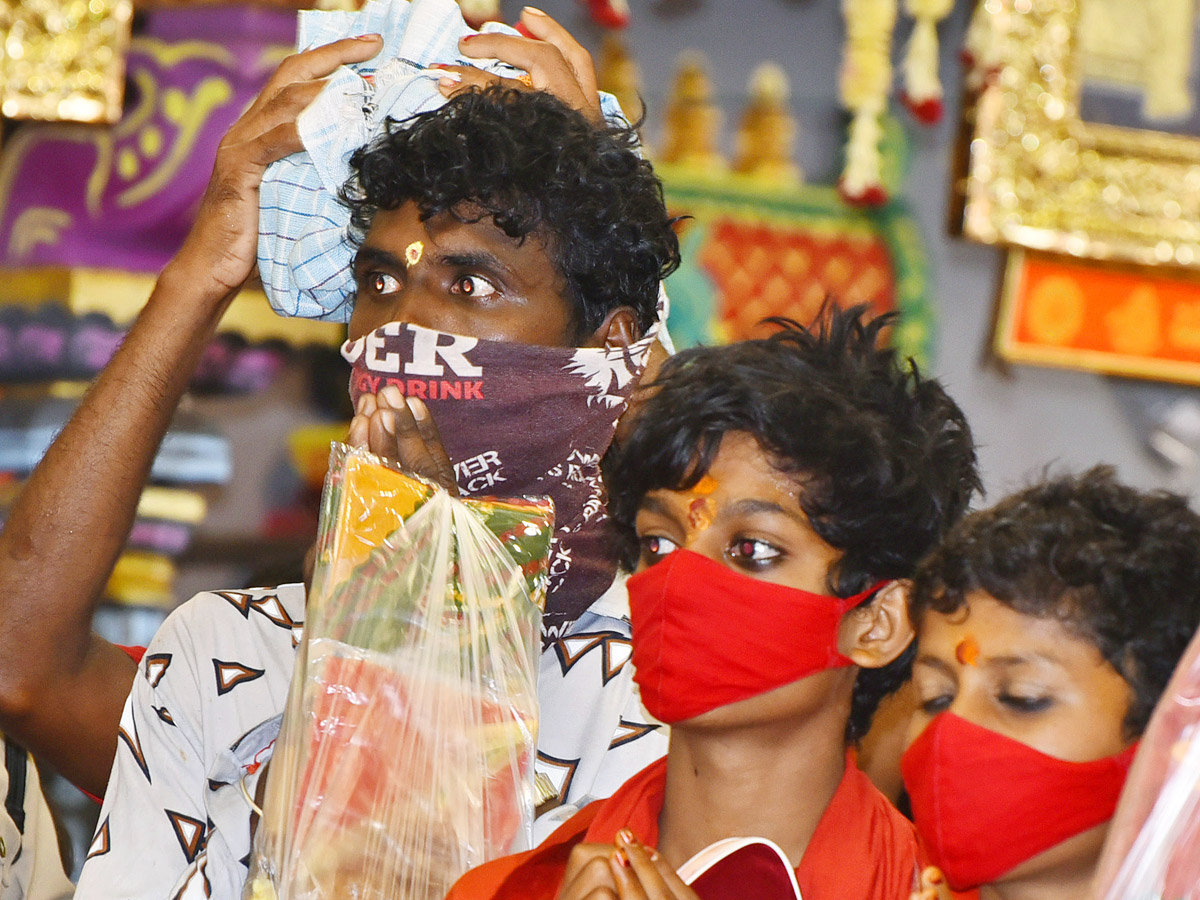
[
  {"x": 922, "y": 88},
  {"x": 865, "y": 79}
]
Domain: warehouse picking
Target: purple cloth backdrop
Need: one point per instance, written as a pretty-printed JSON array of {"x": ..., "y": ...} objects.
[{"x": 124, "y": 196}]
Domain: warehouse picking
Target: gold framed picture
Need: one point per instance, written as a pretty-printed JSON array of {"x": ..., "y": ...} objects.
[{"x": 1041, "y": 176}]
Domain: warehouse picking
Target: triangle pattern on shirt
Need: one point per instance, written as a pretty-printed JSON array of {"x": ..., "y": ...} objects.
[
  {"x": 189, "y": 832},
  {"x": 156, "y": 667},
  {"x": 231, "y": 674},
  {"x": 615, "y": 649},
  {"x": 274, "y": 611},
  {"x": 628, "y": 732},
  {"x": 100, "y": 843},
  {"x": 240, "y": 601},
  {"x": 134, "y": 743},
  {"x": 560, "y": 772}
]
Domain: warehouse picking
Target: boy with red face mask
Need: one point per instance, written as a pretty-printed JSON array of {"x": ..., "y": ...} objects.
[
  {"x": 775, "y": 496},
  {"x": 1049, "y": 626}
]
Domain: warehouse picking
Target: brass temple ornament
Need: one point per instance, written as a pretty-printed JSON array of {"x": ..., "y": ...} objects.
[
  {"x": 63, "y": 60},
  {"x": 1041, "y": 177}
]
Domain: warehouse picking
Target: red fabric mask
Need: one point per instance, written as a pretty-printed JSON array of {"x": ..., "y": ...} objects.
[
  {"x": 706, "y": 636},
  {"x": 983, "y": 803}
]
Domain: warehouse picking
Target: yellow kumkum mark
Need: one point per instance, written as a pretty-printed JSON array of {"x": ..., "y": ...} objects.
[
  {"x": 412, "y": 253},
  {"x": 967, "y": 651},
  {"x": 705, "y": 486}
]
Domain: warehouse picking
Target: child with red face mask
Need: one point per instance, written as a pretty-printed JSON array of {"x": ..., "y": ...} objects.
[
  {"x": 774, "y": 497},
  {"x": 1048, "y": 628}
]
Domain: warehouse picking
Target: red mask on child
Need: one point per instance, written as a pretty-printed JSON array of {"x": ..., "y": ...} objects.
[
  {"x": 706, "y": 636},
  {"x": 984, "y": 803}
]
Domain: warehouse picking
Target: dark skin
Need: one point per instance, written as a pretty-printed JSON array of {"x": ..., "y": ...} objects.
[{"x": 62, "y": 687}]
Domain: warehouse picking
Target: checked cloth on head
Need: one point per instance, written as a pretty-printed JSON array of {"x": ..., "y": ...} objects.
[{"x": 304, "y": 247}]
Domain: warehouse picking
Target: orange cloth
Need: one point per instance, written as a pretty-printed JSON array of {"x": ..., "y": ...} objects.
[{"x": 863, "y": 849}]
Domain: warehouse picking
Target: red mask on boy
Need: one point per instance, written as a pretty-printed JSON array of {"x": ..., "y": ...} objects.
[
  {"x": 706, "y": 636},
  {"x": 984, "y": 803}
]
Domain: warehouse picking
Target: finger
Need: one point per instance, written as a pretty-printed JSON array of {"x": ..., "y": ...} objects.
[
  {"x": 357, "y": 436},
  {"x": 283, "y": 106},
  {"x": 584, "y": 855},
  {"x": 629, "y": 886},
  {"x": 590, "y": 879},
  {"x": 679, "y": 889},
  {"x": 428, "y": 430},
  {"x": 405, "y": 444},
  {"x": 648, "y": 874},
  {"x": 367, "y": 404},
  {"x": 319, "y": 62},
  {"x": 546, "y": 28},
  {"x": 548, "y": 69},
  {"x": 456, "y": 79}
]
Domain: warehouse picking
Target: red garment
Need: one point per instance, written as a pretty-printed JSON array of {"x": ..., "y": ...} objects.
[
  {"x": 863, "y": 849},
  {"x": 134, "y": 653}
]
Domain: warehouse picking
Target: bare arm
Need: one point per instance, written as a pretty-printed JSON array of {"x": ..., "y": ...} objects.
[{"x": 62, "y": 687}]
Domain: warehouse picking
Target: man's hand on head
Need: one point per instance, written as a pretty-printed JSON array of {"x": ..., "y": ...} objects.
[
  {"x": 404, "y": 432},
  {"x": 555, "y": 61},
  {"x": 223, "y": 242}
]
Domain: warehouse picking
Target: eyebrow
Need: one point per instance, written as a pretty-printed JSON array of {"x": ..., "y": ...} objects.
[
  {"x": 477, "y": 259},
  {"x": 748, "y": 506},
  {"x": 371, "y": 255},
  {"x": 1002, "y": 662}
]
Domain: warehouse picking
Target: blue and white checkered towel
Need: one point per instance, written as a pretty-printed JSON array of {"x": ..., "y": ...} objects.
[{"x": 304, "y": 251}]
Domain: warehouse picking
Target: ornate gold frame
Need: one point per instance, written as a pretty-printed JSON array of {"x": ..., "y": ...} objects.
[
  {"x": 63, "y": 60},
  {"x": 1040, "y": 177}
]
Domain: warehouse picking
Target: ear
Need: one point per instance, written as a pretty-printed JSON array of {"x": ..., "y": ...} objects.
[
  {"x": 876, "y": 633},
  {"x": 619, "y": 329}
]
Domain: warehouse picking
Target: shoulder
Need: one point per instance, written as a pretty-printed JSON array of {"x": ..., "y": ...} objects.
[{"x": 213, "y": 620}]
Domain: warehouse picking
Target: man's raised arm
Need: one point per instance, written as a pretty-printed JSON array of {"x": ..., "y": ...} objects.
[{"x": 62, "y": 687}]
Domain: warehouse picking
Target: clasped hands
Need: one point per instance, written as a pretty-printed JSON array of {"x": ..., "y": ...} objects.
[{"x": 626, "y": 869}]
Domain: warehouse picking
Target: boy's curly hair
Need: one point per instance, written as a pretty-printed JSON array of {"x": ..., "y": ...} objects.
[
  {"x": 1117, "y": 566},
  {"x": 884, "y": 456},
  {"x": 534, "y": 166}
]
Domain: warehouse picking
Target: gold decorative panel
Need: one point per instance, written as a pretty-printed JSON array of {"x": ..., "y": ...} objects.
[
  {"x": 63, "y": 59},
  {"x": 1041, "y": 177}
]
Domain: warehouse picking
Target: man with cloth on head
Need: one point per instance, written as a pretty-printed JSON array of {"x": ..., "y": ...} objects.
[{"x": 506, "y": 248}]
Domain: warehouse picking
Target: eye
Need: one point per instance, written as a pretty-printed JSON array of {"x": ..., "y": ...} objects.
[
  {"x": 754, "y": 554},
  {"x": 382, "y": 283},
  {"x": 931, "y": 706},
  {"x": 1024, "y": 703},
  {"x": 655, "y": 547},
  {"x": 474, "y": 286}
]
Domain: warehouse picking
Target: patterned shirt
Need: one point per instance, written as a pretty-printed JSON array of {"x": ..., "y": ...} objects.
[{"x": 202, "y": 719}]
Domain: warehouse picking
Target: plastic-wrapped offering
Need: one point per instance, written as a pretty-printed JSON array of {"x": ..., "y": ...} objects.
[
  {"x": 407, "y": 747},
  {"x": 1153, "y": 846}
]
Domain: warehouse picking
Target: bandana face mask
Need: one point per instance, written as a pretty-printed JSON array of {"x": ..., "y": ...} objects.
[
  {"x": 706, "y": 636},
  {"x": 969, "y": 784},
  {"x": 519, "y": 419}
]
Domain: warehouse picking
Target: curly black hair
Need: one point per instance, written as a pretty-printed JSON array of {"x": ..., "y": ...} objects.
[
  {"x": 885, "y": 456},
  {"x": 1117, "y": 566},
  {"x": 535, "y": 166}
]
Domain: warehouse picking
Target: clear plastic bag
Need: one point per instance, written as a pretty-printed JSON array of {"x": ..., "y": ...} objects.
[
  {"x": 407, "y": 746},
  {"x": 1153, "y": 846}
]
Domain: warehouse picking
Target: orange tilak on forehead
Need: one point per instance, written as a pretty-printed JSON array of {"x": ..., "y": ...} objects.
[
  {"x": 699, "y": 515},
  {"x": 967, "y": 651}
]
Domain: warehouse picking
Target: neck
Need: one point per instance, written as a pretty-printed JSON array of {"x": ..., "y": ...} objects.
[{"x": 770, "y": 781}]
